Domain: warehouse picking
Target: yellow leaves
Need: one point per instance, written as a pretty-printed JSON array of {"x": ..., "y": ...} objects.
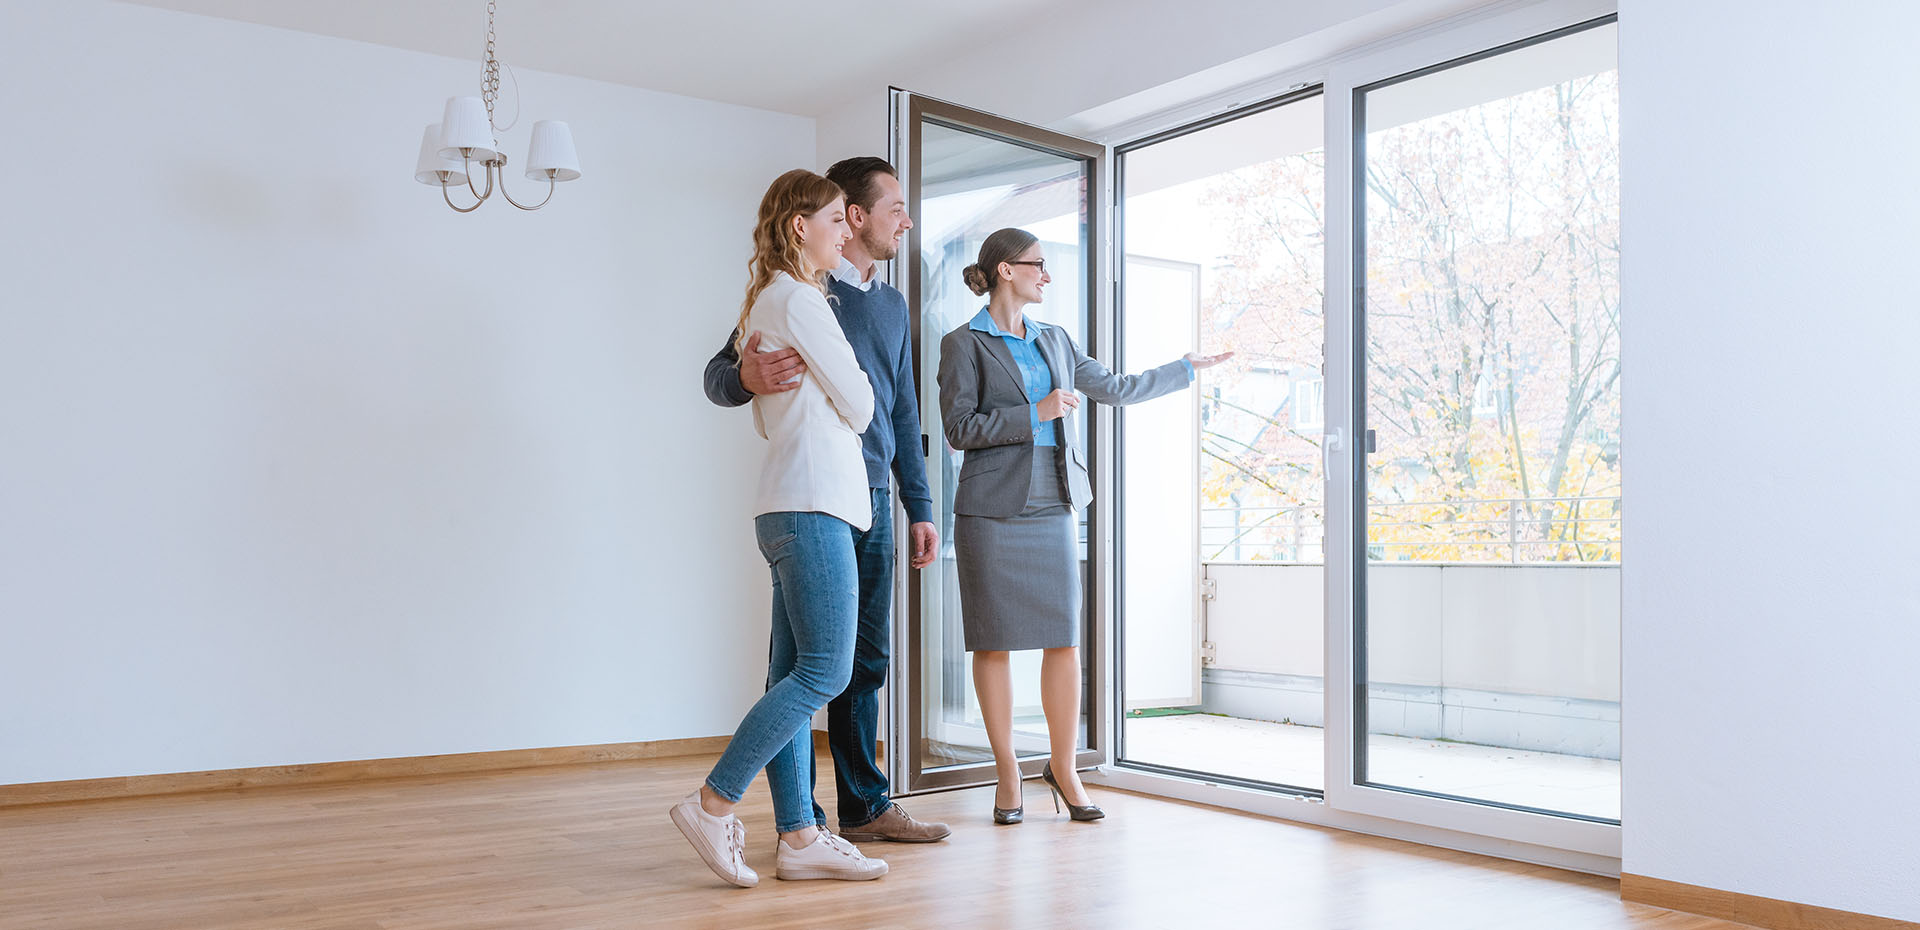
[{"x": 1409, "y": 289}]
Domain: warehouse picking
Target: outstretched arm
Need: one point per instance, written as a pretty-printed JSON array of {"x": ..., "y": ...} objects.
[{"x": 1106, "y": 387}]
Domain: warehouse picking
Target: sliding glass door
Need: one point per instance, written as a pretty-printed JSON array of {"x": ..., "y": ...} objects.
[
  {"x": 1475, "y": 531},
  {"x": 1404, "y": 491},
  {"x": 1490, "y": 246}
]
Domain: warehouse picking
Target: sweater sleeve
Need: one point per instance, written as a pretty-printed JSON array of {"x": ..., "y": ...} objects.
[
  {"x": 723, "y": 376},
  {"x": 909, "y": 459}
]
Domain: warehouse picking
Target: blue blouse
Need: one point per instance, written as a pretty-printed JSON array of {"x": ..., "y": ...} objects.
[{"x": 1034, "y": 371}]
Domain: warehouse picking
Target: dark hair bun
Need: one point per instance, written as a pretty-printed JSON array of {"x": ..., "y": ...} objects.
[{"x": 977, "y": 280}]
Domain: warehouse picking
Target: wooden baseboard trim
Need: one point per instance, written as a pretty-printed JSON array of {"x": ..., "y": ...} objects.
[
  {"x": 1770, "y": 913},
  {"x": 321, "y": 773}
]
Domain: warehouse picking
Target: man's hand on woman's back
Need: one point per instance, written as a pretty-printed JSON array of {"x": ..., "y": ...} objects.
[{"x": 769, "y": 372}]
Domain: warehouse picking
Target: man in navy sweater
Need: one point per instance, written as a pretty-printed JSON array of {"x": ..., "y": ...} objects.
[{"x": 874, "y": 317}]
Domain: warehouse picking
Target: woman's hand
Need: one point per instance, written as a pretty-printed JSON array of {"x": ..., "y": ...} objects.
[
  {"x": 1058, "y": 404},
  {"x": 1199, "y": 361}
]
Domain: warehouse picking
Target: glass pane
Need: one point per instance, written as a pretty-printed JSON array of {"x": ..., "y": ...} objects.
[
  {"x": 1223, "y": 231},
  {"x": 971, "y": 185},
  {"x": 1492, "y": 517}
]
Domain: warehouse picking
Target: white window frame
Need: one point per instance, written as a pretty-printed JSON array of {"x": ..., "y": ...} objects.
[
  {"x": 1543, "y": 838},
  {"x": 1344, "y": 78}
]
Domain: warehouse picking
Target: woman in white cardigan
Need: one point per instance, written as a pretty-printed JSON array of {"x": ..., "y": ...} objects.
[{"x": 811, "y": 499}]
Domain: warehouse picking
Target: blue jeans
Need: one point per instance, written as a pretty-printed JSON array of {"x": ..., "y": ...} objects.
[
  {"x": 815, "y": 606},
  {"x": 853, "y": 718}
]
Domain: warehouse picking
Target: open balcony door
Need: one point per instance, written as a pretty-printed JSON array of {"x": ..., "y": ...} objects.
[{"x": 966, "y": 174}]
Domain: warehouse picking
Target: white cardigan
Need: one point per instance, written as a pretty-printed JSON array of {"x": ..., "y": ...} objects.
[{"x": 814, "y": 462}]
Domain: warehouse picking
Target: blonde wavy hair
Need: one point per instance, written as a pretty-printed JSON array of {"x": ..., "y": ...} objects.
[{"x": 776, "y": 246}]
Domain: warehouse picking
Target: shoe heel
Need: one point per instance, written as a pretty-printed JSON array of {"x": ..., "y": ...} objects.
[{"x": 1077, "y": 812}]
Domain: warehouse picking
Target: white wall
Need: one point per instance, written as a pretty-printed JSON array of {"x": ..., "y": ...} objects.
[
  {"x": 296, "y": 465},
  {"x": 1769, "y": 208}
]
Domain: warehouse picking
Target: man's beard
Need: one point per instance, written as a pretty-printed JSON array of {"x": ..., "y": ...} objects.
[{"x": 881, "y": 249}]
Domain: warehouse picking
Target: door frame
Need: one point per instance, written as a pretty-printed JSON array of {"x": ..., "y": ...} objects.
[
  {"x": 1551, "y": 839},
  {"x": 1346, "y": 83},
  {"x": 907, "y": 112},
  {"x": 1292, "y": 94}
]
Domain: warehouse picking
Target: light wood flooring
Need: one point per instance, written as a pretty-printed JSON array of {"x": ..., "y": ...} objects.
[{"x": 591, "y": 846}]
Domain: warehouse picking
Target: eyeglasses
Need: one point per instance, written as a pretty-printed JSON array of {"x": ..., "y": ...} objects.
[{"x": 1041, "y": 264}]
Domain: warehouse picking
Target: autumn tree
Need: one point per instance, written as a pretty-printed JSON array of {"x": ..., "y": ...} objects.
[{"x": 1492, "y": 328}]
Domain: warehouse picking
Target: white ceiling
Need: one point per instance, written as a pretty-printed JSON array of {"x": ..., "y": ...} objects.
[{"x": 773, "y": 54}]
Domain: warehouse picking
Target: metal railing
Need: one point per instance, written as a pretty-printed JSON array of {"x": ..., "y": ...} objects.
[{"x": 1499, "y": 530}]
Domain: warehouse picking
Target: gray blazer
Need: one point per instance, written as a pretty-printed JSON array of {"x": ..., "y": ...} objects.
[{"x": 983, "y": 402}]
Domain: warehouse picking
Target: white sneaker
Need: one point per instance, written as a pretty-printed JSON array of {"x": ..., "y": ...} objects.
[
  {"x": 720, "y": 841},
  {"x": 828, "y": 856}
]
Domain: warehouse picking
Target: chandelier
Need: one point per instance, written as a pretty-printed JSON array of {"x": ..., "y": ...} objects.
[{"x": 466, "y": 141}]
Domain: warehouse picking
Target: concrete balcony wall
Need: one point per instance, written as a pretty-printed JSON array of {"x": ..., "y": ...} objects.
[{"x": 1521, "y": 656}]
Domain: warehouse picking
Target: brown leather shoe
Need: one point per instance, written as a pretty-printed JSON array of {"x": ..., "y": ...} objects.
[{"x": 895, "y": 825}]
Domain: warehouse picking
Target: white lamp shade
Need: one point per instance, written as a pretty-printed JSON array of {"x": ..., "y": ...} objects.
[
  {"x": 434, "y": 168},
  {"x": 466, "y": 127},
  {"x": 552, "y": 153}
]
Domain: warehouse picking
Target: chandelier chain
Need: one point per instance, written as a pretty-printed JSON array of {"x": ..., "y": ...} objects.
[{"x": 490, "y": 77}]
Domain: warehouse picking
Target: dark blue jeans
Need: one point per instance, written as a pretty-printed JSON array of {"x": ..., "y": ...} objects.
[{"x": 853, "y": 718}]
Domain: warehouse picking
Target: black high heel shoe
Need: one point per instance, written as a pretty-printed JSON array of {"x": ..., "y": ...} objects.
[
  {"x": 1074, "y": 811},
  {"x": 1007, "y": 816}
]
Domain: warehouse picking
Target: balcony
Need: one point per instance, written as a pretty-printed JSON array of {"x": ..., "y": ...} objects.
[{"x": 1492, "y": 679}]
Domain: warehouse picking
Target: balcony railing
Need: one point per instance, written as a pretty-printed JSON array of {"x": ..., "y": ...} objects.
[{"x": 1499, "y": 530}]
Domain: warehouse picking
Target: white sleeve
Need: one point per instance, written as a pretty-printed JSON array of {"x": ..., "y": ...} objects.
[{"x": 816, "y": 334}]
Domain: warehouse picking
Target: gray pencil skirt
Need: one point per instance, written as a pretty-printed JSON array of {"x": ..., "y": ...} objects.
[{"x": 1020, "y": 575}]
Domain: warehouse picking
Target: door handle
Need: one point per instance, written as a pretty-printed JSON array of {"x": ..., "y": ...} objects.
[{"x": 1335, "y": 440}]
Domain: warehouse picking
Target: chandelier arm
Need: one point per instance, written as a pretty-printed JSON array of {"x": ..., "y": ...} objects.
[
  {"x": 507, "y": 194},
  {"x": 496, "y": 160},
  {"x": 456, "y": 208},
  {"x": 466, "y": 166}
]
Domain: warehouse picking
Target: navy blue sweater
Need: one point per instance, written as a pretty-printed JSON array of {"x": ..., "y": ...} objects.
[{"x": 875, "y": 322}]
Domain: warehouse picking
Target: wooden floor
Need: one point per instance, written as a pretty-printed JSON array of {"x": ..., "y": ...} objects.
[{"x": 591, "y": 846}]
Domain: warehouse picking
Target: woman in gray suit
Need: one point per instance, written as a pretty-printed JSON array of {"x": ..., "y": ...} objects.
[{"x": 1007, "y": 387}]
